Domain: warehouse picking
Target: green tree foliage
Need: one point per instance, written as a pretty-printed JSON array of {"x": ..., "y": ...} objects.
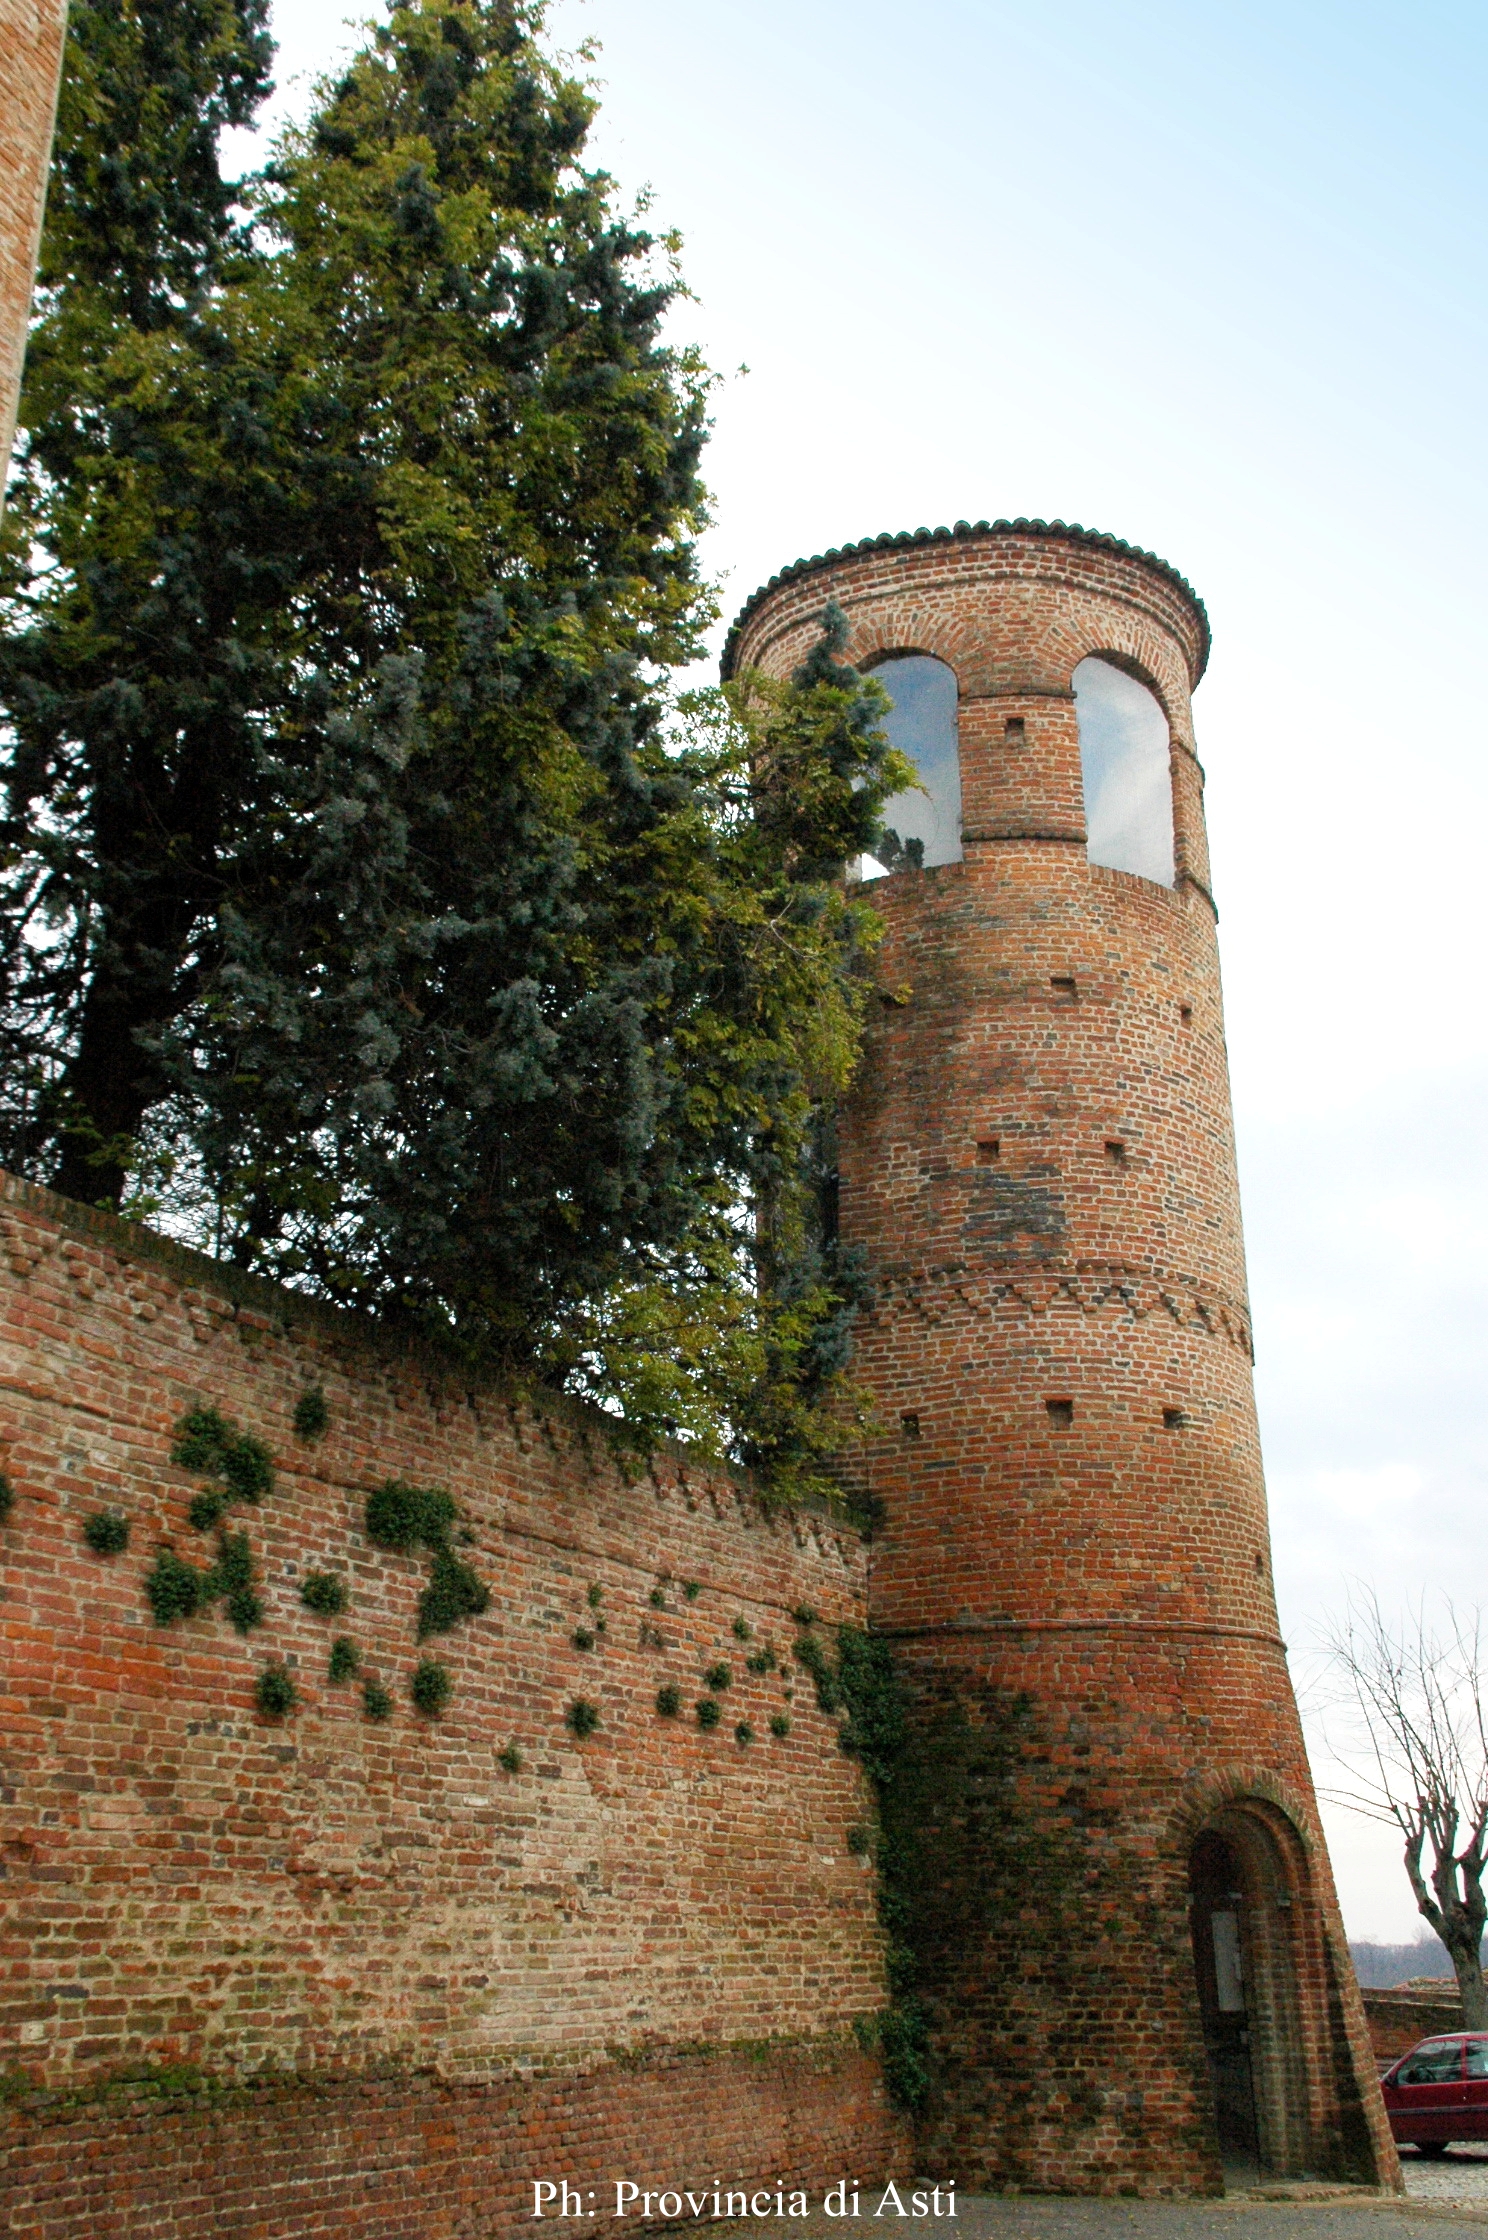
[
  {"x": 371, "y": 916},
  {"x": 141, "y": 582}
]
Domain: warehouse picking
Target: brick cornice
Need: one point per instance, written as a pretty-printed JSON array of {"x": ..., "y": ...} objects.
[{"x": 972, "y": 532}]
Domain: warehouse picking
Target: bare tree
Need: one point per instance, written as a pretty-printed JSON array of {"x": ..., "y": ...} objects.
[{"x": 1417, "y": 1755}]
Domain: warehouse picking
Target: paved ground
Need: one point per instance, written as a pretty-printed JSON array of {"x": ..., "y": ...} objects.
[
  {"x": 1445, "y": 2196},
  {"x": 1460, "y": 2177}
]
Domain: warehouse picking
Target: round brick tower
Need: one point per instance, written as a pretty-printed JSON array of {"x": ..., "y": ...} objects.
[{"x": 1124, "y": 1931}]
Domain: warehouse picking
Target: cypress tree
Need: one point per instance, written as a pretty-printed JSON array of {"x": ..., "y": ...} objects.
[{"x": 402, "y": 939}]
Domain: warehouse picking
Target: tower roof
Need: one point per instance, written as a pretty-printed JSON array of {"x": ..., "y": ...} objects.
[{"x": 1070, "y": 532}]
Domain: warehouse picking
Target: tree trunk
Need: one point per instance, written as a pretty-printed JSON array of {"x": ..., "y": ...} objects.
[{"x": 1469, "y": 1968}]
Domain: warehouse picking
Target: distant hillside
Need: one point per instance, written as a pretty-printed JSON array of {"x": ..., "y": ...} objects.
[{"x": 1378, "y": 1966}]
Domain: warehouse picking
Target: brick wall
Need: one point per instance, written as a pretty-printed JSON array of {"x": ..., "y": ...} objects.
[
  {"x": 642, "y": 1950},
  {"x": 1038, "y": 1162},
  {"x": 1407, "y": 2012},
  {"x": 31, "y": 35}
]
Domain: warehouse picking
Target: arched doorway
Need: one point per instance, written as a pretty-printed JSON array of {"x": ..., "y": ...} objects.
[
  {"x": 1217, "y": 1920},
  {"x": 1247, "y": 1879}
]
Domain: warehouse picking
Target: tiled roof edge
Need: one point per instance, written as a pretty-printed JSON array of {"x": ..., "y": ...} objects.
[{"x": 963, "y": 532}]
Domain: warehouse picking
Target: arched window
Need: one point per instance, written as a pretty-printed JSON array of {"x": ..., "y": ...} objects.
[
  {"x": 1124, "y": 751},
  {"x": 922, "y": 724}
]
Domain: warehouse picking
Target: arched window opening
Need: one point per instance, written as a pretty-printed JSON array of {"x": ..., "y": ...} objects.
[
  {"x": 1124, "y": 750},
  {"x": 926, "y": 826}
]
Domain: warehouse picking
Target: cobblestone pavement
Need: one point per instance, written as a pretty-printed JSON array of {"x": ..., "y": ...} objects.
[{"x": 1459, "y": 2178}]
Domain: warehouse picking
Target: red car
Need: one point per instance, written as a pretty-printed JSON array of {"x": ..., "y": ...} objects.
[{"x": 1438, "y": 2092}]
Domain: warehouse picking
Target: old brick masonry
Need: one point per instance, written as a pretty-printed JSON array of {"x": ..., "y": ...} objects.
[{"x": 410, "y": 1979}]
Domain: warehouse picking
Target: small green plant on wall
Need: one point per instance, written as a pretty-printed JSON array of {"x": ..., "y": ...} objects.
[
  {"x": 406, "y": 1518},
  {"x": 509, "y": 1759},
  {"x": 7, "y": 1497},
  {"x": 324, "y": 1593},
  {"x": 274, "y": 1692},
  {"x": 238, "y": 1468},
  {"x": 431, "y": 1687},
  {"x": 311, "y": 1415},
  {"x": 238, "y": 1465},
  {"x": 581, "y": 1717},
  {"x": 376, "y": 1701},
  {"x": 669, "y": 1701},
  {"x": 106, "y": 1532},
  {"x": 708, "y": 1713},
  {"x": 344, "y": 1662},
  {"x": 175, "y": 1589}
]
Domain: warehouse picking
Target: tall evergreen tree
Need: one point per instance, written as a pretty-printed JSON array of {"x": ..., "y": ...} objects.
[
  {"x": 148, "y": 561},
  {"x": 357, "y": 881}
]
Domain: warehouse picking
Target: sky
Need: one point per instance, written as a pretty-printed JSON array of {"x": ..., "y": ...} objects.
[{"x": 1209, "y": 277}]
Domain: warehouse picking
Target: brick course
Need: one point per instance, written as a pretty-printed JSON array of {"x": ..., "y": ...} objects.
[
  {"x": 1060, "y": 1347},
  {"x": 439, "y": 1949}
]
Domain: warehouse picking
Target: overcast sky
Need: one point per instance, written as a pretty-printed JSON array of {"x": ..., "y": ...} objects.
[{"x": 1208, "y": 276}]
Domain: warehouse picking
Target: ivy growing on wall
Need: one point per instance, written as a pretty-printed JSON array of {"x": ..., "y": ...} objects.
[{"x": 966, "y": 1874}]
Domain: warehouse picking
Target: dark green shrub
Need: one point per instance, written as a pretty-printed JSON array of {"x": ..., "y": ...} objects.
[
  {"x": 708, "y": 1712},
  {"x": 804, "y": 1615},
  {"x": 859, "y": 1842},
  {"x": 744, "y": 1734},
  {"x": 245, "y": 1609},
  {"x": 345, "y": 1662},
  {"x": 311, "y": 1415},
  {"x": 658, "y": 1599},
  {"x": 7, "y": 1497},
  {"x": 106, "y": 1532},
  {"x": 431, "y": 1687},
  {"x": 717, "y": 1676},
  {"x": 743, "y": 1630},
  {"x": 581, "y": 1717},
  {"x": 780, "y": 1725},
  {"x": 582, "y": 1638},
  {"x": 173, "y": 1589},
  {"x": 208, "y": 1444},
  {"x": 509, "y": 1759},
  {"x": 669, "y": 1701},
  {"x": 249, "y": 1470},
  {"x": 232, "y": 1576},
  {"x": 763, "y": 1660},
  {"x": 904, "y": 2034},
  {"x": 376, "y": 1701},
  {"x": 206, "y": 1510},
  {"x": 202, "y": 1438},
  {"x": 814, "y": 1657},
  {"x": 324, "y": 1593},
  {"x": 454, "y": 1592},
  {"x": 692, "y": 1590},
  {"x": 596, "y": 1597},
  {"x": 406, "y": 1517},
  {"x": 274, "y": 1692}
]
